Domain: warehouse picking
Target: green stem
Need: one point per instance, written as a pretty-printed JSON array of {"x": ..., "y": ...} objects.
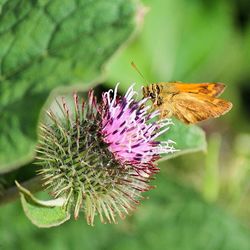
[
  {"x": 12, "y": 193},
  {"x": 211, "y": 176},
  {"x": 25, "y": 175}
]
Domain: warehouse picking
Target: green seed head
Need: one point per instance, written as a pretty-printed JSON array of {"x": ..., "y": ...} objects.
[{"x": 77, "y": 165}]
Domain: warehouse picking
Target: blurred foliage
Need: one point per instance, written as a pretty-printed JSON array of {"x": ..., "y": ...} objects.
[
  {"x": 235, "y": 184},
  {"x": 174, "y": 217}
]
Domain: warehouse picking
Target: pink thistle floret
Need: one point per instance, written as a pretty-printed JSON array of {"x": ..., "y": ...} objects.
[{"x": 131, "y": 131}]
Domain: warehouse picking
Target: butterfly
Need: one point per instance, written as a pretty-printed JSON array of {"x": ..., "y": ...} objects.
[{"x": 189, "y": 102}]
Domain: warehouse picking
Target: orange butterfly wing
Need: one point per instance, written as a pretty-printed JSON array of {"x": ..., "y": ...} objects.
[
  {"x": 211, "y": 89},
  {"x": 192, "y": 108}
]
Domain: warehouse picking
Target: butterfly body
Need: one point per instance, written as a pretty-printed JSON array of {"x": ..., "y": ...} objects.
[{"x": 189, "y": 102}]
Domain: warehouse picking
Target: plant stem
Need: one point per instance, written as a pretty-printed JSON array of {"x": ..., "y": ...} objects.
[
  {"x": 12, "y": 193},
  {"x": 25, "y": 175}
]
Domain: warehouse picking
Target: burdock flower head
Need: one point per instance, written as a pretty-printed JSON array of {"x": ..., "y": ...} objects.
[{"x": 99, "y": 157}]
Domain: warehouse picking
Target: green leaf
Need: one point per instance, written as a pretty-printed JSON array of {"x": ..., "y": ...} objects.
[
  {"x": 187, "y": 138},
  {"x": 46, "y": 44},
  {"x": 42, "y": 213}
]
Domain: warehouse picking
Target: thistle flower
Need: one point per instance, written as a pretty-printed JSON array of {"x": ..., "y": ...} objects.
[
  {"x": 131, "y": 133},
  {"x": 78, "y": 166},
  {"x": 95, "y": 156}
]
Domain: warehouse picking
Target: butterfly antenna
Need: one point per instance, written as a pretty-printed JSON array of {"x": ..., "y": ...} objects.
[{"x": 138, "y": 71}]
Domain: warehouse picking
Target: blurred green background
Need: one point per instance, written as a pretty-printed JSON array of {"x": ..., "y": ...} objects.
[{"x": 202, "y": 201}]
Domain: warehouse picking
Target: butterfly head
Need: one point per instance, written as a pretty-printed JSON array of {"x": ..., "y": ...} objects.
[{"x": 148, "y": 91}]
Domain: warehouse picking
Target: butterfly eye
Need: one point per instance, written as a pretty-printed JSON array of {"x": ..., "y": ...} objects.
[{"x": 152, "y": 95}]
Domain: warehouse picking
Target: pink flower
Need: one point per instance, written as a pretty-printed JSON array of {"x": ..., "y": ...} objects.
[{"x": 131, "y": 131}]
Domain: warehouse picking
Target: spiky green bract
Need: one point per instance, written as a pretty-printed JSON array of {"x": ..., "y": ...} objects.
[{"x": 78, "y": 166}]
